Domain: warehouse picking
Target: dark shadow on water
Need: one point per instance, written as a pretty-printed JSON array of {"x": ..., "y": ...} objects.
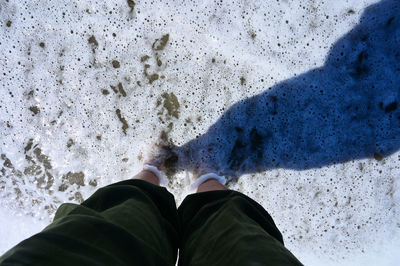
[{"x": 347, "y": 109}]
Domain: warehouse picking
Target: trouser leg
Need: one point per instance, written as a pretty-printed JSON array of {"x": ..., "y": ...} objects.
[
  {"x": 128, "y": 223},
  {"x": 229, "y": 228}
]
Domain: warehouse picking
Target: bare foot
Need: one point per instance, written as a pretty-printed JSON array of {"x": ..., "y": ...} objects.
[
  {"x": 164, "y": 158},
  {"x": 210, "y": 185}
]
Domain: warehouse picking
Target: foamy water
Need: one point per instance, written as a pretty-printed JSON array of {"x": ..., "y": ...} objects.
[{"x": 88, "y": 87}]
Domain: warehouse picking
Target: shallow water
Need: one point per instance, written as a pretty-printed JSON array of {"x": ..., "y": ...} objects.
[{"x": 88, "y": 87}]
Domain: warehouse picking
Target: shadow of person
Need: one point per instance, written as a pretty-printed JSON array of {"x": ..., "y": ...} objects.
[{"x": 345, "y": 110}]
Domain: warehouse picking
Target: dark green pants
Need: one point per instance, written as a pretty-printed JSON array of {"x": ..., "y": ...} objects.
[{"x": 136, "y": 223}]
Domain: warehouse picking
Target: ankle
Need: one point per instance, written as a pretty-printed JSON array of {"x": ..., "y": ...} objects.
[
  {"x": 148, "y": 176},
  {"x": 210, "y": 185}
]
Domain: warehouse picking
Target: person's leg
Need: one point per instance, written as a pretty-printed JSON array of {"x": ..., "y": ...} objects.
[
  {"x": 225, "y": 227},
  {"x": 210, "y": 185},
  {"x": 133, "y": 222},
  {"x": 148, "y": 176}
]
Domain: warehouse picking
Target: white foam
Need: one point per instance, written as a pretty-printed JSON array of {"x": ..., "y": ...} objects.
[
  {"x": 16, "y": 227},
  {"x": 212, "y": 45}
]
